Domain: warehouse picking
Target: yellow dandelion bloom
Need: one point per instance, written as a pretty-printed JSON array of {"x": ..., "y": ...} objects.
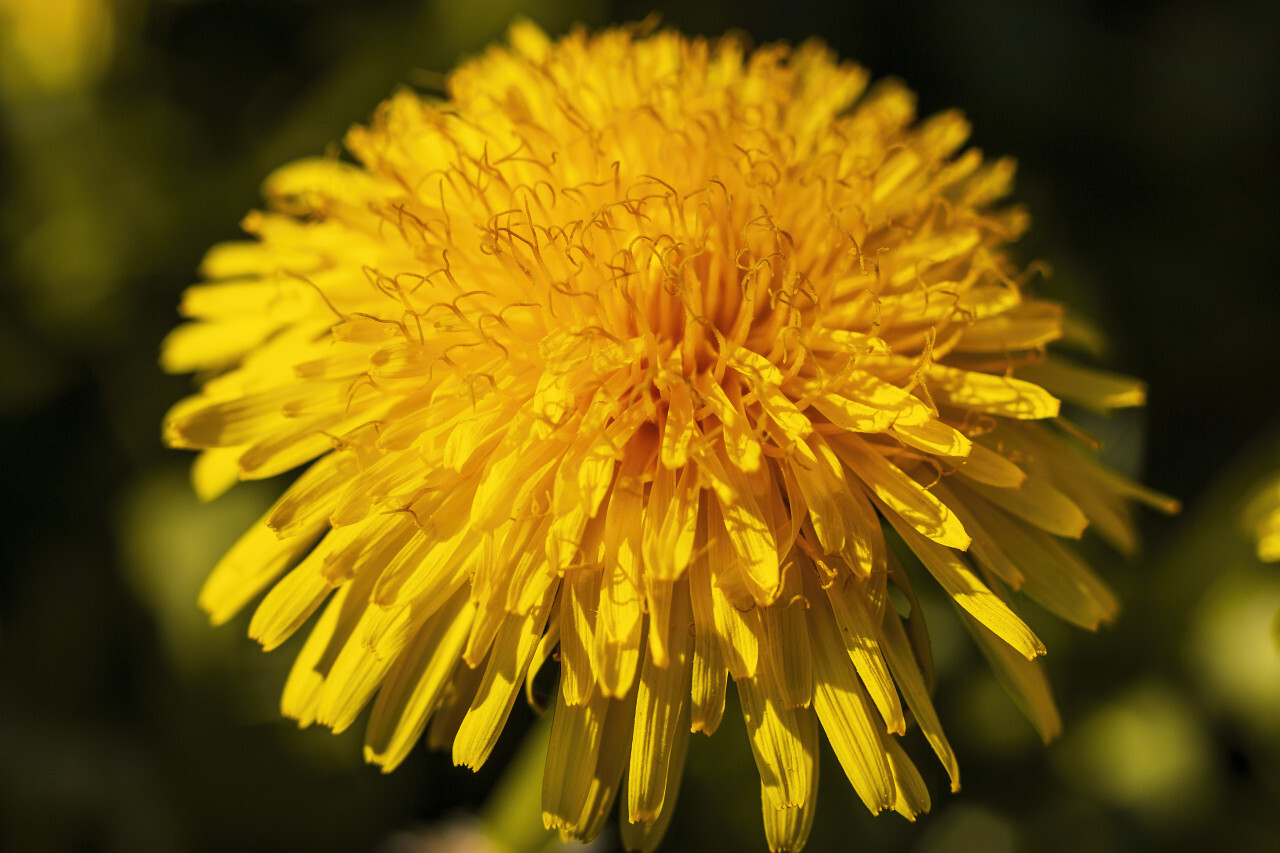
[
  {"x": 1262, "y": 517},
  {"x": 53, "y": 47},
  {"x": 620, "y": 357}
]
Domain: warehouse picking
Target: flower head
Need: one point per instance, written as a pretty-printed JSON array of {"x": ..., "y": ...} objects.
[
  {"x": 622, "y": 355},
  {"x": 53, "y": 47},
  {"x": 1262, "y": 517}
]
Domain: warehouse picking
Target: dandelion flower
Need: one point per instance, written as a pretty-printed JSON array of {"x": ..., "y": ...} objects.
[
  {"x": 54, "y": 47},
  {"x": 1262, "y": 517},
  {"x": 624, "y": 357}
]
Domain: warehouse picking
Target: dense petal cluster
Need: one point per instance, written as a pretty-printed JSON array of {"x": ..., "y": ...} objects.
[{"x": 624, "y": 358}]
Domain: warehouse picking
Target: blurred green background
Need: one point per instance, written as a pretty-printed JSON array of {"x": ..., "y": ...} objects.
[{"x": 134, "y": 134}]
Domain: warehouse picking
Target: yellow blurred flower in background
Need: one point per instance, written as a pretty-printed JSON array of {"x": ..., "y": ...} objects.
[
  {"x": 620, "y": 357},
  {"x": 51, "y": 47},
  {"x": 1262, "y": 517}
]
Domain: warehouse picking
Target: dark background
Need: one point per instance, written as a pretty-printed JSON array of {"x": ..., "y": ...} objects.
[{"x": 1147, "y": 143}]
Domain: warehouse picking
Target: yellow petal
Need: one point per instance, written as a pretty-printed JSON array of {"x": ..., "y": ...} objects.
[
  {"x": 576, "y": 735},
  {"x": 530, "y": 575},
  {"x": 912, "y": 794},
  {"x": 453, "y": 705},
  {"x": 662, "y": 715},
  {"x": 584, "y": 477},
  {"x": 357, "y": 671},
  {"x": 670, "y": 520},
  {"x": 1134, "y": 491},
  {"x": 241, "y": 420},
  {"x": 1095, "y": 389},
  {"x": 581, "y": 598},
  {"x": 858, "y": 634},
  {"x": 484, "y": 629},
  {"x": 415, "y": 682},
  {"x": 423, "y": 569},
  {"x": 645, "y": 837},
  {"x": 204, "y": 345},
  {"x": 788, "y": 829},
  {"x": 903, "y": 496},
  {"x": 287, "y": 450},
  {"x": 620, "y": 602},
  {"x": 1023, "y": 679},
  {"x": 907, "y": 673},
  {"x": 709, "y": 671},
  {"x": 903, "y": 407},
  {"x": 297, "y": 595},
  {"x": 607, "y": 779},
  {"x": 969, "y": 592},
  {"x": 1029, "y": 325},
  {"x": 537, "y": 692},
  {"x": 1100, "y": 495},
  {"x": 985, "y": 548},
  {"x": 246, "y": 297},
  {"x": 865, "y": 549},
  {"x": 512, "y": 650},
  {"x": 522, "y": 461},
  {"x": 380, "y": 543},
  {"x": 216, "y": 470},
  {"x": 852, "y": 415},
  {"x": 1039, "y": 503},
  {"x": 710, "y": 682},
  {"x": 737, "y": 630},
  {"x": 992, "y": 181},
  {"x": 995, "y": 395},
  {"x": 785, "y": 640},
  {"x": 832, "y": 510},
  {"x": 913, "y": 622},
  {"x": 987, "y": 466},
  {"x": 933, "y": 437},
  {"x": 312, "y": 496},
  {"x": 783, "y": 744},
  {"x": 390, "y": 475},
  {"x": 680, "y": 429},
  {"x": 740, "y": 441},
  {"x": 302, "y": 688},
  {"x": 765, "y": 379},
  {"x": 752, "y": 538},
  {"x": 846, "y": 715},
  {"x": 1052, "y": 575},
  {"x": 257, "y": 559},
  {"x": 315, "y": 181}
]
